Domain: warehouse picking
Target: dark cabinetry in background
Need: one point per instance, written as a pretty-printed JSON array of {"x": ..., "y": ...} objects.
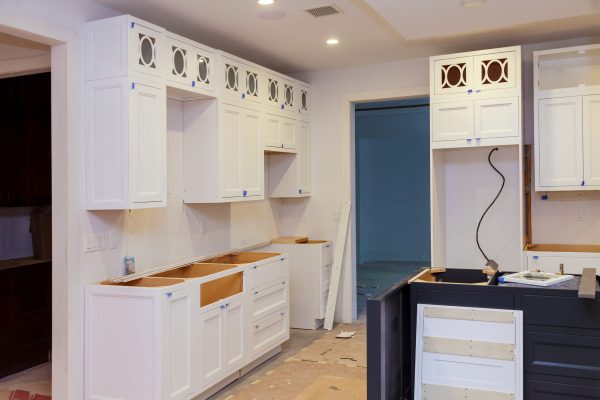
[
  {"x": 25, "y": 134},
  {"x": 26, "y": 311}
]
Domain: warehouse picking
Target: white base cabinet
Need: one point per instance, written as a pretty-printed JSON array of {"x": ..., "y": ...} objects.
[
  {"x": 310, "y": 275},
  {"x": 167, "y": 338},
  {"x": 572, "y": 262}
]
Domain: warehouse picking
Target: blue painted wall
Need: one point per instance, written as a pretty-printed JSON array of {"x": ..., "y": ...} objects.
[{"x": 392, "y": 173}]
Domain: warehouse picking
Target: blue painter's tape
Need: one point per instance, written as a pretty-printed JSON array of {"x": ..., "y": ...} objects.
[
  {"x": 470, "y": 91},
  {"x": 544, "y": 197},
  {"x": 193, "y": 83},
  {"x": 244, "y": 193},
  {"x": 536, "y": 257},
  {"x": 169, "y": 294},
  {"x": 132, "y": 24},
  {"x": 132, "y": 85}
]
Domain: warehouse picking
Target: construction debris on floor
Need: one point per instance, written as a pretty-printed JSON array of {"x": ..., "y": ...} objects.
[{"x": 328, "y": 369}]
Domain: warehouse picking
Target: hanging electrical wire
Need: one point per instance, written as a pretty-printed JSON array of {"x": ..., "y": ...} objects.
[{"x": 490, "y": 262}]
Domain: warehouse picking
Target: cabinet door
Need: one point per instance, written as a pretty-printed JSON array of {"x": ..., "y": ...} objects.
[
  {"x": 253, "y": 85},
  {"x": 304, "y": 102},
  {"x": 272, "y": 132},
  {"x": 180, "y": 57},
  {"x": 147, "y": 144},
  {"x": 290, "y": 103},
  {"x": 453, "y": 75},
  {"x": 252, "y": 159},
  {"x": 179, "y": 352},
  {"x": 288, "y": 134},
  {"x": 231, "y": 84},
  {"x": 231, "y": 151},
  {"x": 591, "y": 140},
  {"x": 202, "y": 69},
  {"x": 212, "y": 345},
  {"x": 497, "y": 118},
  {"x": 559, "y": 142},
  {"x": 274, "y": 92},
  {"x": 495, "y": 71},
  {"x": 303, "y": 159},
  {"x": 269, "y": 332},
  {"x": 146, "y": 49},
  {"x": 234, "y": 314},
  {"x": 452, "y": 121}
]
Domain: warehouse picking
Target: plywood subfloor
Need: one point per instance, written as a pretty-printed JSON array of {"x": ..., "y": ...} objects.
[{"x": 325, "y": 368}]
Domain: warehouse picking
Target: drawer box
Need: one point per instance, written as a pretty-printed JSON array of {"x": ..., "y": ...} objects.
[
  {"x": 266, "y": 273},
  {"x": 562, "y": 354},
  {"x": 268, "y": 298},
  {"x": 561, "y": 311},
  {"x": 269, "y": 331},
  {"x": 536, "y": 390}
]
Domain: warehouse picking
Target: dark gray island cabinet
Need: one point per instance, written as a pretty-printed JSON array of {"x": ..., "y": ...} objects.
[{"x": 561, "y": 333}]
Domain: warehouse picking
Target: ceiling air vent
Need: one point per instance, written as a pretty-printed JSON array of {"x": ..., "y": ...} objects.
[{"x": 323, "y": 11}]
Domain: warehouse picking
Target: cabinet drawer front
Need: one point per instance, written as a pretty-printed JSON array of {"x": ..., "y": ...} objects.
[
  {"x": 269, "y": 331},
  {"x": 535, "y": 390},
  {"x": 562, "y": 354},
  {"x": 268, "y": 299},
  {"x": 263, "y": 274},
  {"x": 561, "y": 311}
]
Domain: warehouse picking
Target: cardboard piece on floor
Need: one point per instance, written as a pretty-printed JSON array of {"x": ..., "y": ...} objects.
[
  {"x": 345, "y": 335},
  {"x": 335, "y": 388},
  {"x": 336, "y": 271}
]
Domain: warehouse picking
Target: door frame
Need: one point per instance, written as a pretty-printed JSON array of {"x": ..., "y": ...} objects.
[
  {"x": 348, "y": 278},
  {"x": 65, "y": 191}
]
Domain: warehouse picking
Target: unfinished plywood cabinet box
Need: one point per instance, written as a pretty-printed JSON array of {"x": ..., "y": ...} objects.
[
  {"x": 180, "y": 333},
  {"x": 125, "y": 114},
  {"x": 567, "y": 118}
]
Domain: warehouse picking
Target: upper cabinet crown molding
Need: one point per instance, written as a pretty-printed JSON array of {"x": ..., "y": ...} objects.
[
  {"x": 567, "y": 118},
  {"x": 476, "y": 98}
]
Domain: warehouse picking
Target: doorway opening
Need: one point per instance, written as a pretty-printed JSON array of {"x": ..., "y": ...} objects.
[
  {"x": 25, "y": 218},
  {"x": 392, "y": 162}
]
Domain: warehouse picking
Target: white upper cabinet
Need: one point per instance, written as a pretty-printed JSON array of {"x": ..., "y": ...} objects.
[
  {"x": 125, "y": 114},
  {"x": 124, "y": 45},
  {"x": 289, "y": 174},
  {"x": 241, "y": 82},
  {"x": 558, "y": 143},
  {"x": 190, "y": 68},
  {"x": 223, "y": 156},
  {"x": 280, "y": 133},
  {"x": 567, "y": 123},
  {"x": 476, "y": 98}
]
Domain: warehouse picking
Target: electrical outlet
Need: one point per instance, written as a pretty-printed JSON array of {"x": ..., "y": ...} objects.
[
  {"x": 580, "y": 214},
  {"x": 95, "y": 242},
  {"x": 114, "y": 240}
]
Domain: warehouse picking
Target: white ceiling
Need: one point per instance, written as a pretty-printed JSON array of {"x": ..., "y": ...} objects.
[{"x": 370, "y": 31}]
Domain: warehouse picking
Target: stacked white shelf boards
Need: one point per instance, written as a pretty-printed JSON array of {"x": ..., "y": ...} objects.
[{"x": 475, "y": 108}]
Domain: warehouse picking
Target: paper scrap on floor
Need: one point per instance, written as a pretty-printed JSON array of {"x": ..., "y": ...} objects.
[{"x": 345, "y": 335}]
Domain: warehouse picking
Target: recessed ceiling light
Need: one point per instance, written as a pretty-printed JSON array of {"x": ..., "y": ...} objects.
[
  {"x": 332, "y": 41},
  {"x": 265, "y": 2},
  {"x": 472, "y": 3}
]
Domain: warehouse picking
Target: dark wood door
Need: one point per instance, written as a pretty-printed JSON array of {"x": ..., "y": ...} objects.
[{"x": 25, "y": 136}]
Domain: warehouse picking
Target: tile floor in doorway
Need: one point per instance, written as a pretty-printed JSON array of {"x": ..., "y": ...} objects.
[{"x": 35, "y": 380}]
